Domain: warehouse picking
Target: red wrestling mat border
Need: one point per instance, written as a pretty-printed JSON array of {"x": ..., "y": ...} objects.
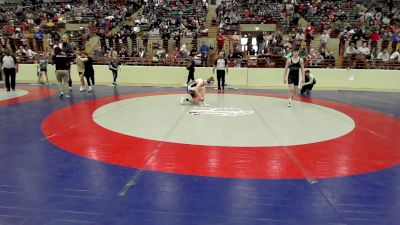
[
  {"x": 35, "y": 93},
  {"x": 371, "y": 146}
]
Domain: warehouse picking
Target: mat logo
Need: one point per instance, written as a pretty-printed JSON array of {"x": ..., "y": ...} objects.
[{"x": 220, "y": 111}]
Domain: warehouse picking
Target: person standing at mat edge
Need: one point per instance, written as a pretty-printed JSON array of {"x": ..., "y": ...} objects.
[
  {"x": 114, "y": 66},
  {"x": 62, "y": 62},
  {"x": 9, "y": 67},
  {"x": 190, "y": 68},
  {"x": 292, "y": 74},
  {"x": 89, "y": 71},
  {"x": 221, "y": 65},
  {"x": 80, "y": 65}
]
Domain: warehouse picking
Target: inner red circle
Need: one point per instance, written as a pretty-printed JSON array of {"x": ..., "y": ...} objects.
[{"x": 371, "y": 146}]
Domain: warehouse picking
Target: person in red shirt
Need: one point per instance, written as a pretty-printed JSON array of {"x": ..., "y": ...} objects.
[
  {"x": 246, "y": 13},
  {"x": 309, "y": 28},
  {"x": 375, "y": 37},
  {"x": 220, "y": 41}
]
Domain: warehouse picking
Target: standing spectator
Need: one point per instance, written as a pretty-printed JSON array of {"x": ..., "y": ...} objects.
[
  {"x": 184, "y": 51},
  {"x": 165, "y": 38},
  {"x": 43, "y": 68},
  {"x": 395, "y": 40},
  {"x": 342, "y": 41},
  {"x": 145, "y": 38},
  {"x": 61, "y": 60},
  {"x": 375, "y": 37},
  {"x": 133, "y": 40},
  {"x": 386, "y": 37},
  {"x": 81, "y": 69},
  {"x": 114, "y": 66},
  {"x": 177, "y": 39},
  {"x": 260, "y": 42},
  {"x": 324, "y": 38},
  {"x": 191, "y": 69},
  {"x": 38, "y": 36},
  {"x": 10, "y": 66},
  {"x": 221, "y": 65},
  {"x": 110, "y": 38},
  {"x": 220, "y": 42},
  {"x": 103, "y": 41},
  {"x": 366, "y": 35},
  {"x": 204, "y": 49},
  {"x": 89, "y": 71},
  {"x": 309, "y": 37},
  {"x": 194, "y": 42},
  {"x": 355, "y": 37},
  {"x": 299, "y": 39}
]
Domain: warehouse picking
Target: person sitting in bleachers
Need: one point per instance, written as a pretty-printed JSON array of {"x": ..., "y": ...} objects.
[
  {"x": 383, "y": 58},
  {"x": 350, "y": 55}
]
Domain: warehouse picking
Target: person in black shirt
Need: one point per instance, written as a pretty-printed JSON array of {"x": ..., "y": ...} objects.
[
  {"x": 62, "y": 61},
  {"x": 89, "y": 71},
  {"x": 191, "y": 69},
  {"x": 114, "y": 66},
  {"x": 309, "y": 82},
  {"x": 292, "y": 75}
]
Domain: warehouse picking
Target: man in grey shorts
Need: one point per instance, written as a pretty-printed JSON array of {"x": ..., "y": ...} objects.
[{"x": 61, "y": 60}]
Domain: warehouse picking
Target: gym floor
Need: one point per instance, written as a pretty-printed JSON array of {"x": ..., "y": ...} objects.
[{"x": 130, "y": 155}]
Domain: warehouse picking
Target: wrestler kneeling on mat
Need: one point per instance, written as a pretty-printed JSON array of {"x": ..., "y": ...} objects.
[{"x": 197, "y": 90}]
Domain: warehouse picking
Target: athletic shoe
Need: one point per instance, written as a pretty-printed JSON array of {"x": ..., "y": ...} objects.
[
  {"x": 114, "y": 84},
  {"x": 68, "y": 96},
  {"x": 61, "y": 94},
  {"x": 81, "y": 89},
  {"x": 70, "y": 88},
  {"x": 90, "y": 89},
  {"x": 290, "y": 103}
]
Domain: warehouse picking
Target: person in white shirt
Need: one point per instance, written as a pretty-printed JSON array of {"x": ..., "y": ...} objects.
[
  {"x": 364, "y": 50},
  {"x": 395, "y": 55},
  {"x": 324, "y": 38},
  {"x": 184, "y": 51},
  {"x": 350, "y": 54},
  {"x": 351, "y": 50},
  {"x": 221, "y": 65},
  {"x": 29, "y": 53},
  {"x": 384, "y": 58},
  {"x": 10, "y": 66}
]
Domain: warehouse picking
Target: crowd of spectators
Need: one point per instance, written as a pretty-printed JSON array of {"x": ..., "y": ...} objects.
[
  {"x": 177, "y": 19},
  {"x": 232, "y": 13},
  {"x": 35, "y": 25}
]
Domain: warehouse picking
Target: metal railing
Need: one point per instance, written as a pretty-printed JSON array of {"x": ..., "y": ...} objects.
[{"x": 272, "y": 61}]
